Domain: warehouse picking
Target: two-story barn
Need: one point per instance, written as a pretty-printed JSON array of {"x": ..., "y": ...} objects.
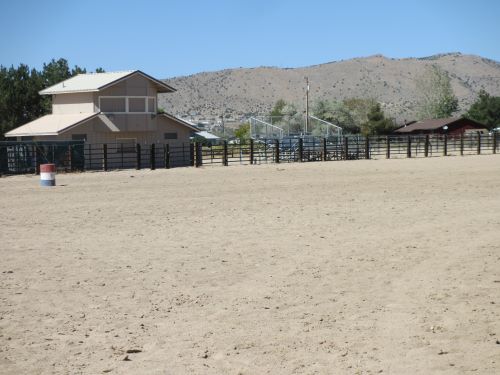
[{"x": 112, "y": 108}]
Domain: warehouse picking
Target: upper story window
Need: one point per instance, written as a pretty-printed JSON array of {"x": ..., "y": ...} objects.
[
  {"x": 113, "y": 104},
  {"x": 127, "y": 104},
  {"x": 137, "y": 104}
]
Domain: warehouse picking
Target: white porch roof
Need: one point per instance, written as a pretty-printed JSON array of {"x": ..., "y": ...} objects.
[
  {"x": 207, "y": 135},
  {"x": 50, "y": 125}
]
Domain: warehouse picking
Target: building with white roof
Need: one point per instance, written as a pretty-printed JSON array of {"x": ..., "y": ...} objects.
[{"x": 107, "y": 108}]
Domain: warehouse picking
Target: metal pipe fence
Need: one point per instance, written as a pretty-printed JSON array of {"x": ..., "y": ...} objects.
[{"x": 26, "y": 157}]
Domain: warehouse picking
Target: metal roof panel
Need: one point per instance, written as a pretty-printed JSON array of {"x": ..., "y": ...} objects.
[
  {"x": 50, "y": 125},
  {"x": 91, "y": 82},
  {"x": 85, "y": 82}
]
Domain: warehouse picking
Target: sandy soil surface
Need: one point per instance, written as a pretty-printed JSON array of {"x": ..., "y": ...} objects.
[{"x": 358, "y": 267}]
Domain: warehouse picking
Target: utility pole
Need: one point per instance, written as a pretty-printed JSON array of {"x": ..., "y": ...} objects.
[
  {"x": 307, "y": 105},
  {"x": 222, "y": 123}
]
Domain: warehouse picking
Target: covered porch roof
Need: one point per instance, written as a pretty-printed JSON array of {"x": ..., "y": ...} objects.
[
  {"x": 56, "y": 124},
  {"x": 50, "y": 125}
]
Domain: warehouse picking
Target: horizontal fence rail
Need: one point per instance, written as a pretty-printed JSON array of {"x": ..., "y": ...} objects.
[{"x": 26, "y": 157}]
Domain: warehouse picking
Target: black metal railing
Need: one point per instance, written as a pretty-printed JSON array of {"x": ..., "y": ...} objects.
[{"x": 25, "y": 157}]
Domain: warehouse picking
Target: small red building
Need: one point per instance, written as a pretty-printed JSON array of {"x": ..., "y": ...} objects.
[{"x": 451, "y": 126}]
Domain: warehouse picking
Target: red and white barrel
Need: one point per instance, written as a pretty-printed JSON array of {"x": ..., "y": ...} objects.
[{"x": 47, "y": 175}]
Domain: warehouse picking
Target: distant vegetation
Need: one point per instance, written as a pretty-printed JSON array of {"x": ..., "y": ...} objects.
[
  {"x": 19, "y": 99},
  {"x": 377, "y": 123},
  {"x": 366, "y": 116},
  {"x": 349, "y": 114},
  {"x": 243, "y": 132},
  {"x": 435, "y": 94},
  {"x": 486, "y": 110},
  {"x": 354, "y": 115}
]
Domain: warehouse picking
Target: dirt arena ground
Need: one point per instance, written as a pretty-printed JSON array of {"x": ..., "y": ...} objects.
[{"x": 357, "y": 267}]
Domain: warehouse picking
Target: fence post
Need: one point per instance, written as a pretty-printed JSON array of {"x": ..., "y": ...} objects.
[
  {"x": 367, "y": 147},
  {"x": 494, "y": 142},
  {"x": 346, "y": 148},
  {"x": 70, "y": 158},
  {"x": 426, "y": 145},
  {"x": 38, "y": 159},
  {"x": 4, "y": 160},
  {"x": 33, "y": 160},
  {"x": 166, "y": 155},
  {"x": 138, "y": 156},
  {"x": 301, "y": 149},
  {"x": 325, "y": 150},
  {"x": 251, "y": 151},
  {"x": 195, "y": 154},
  {"x": 478, "y": 143},
  {"x": 408, "y": 147},
  {"x": 199, "y": 156},
  {"x": 152, "y": 157},
  {"x": 388, "y": 151},
  {"x": 445, "y": 146},
  {"x": 225, "y": 162},
  {"x": 462, "y": 144},
  {"x": 105, "y": 157},
  {"x": 90, "y": 157},
  {"x": 277, "y": 145},
  {"x": 191, "y": 154}
]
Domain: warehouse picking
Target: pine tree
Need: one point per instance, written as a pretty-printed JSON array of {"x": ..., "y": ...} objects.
[
  {"x": 20, "y": 101},
  {"x": 486, "y": 110},
  {"x": 377, "y": 122}
]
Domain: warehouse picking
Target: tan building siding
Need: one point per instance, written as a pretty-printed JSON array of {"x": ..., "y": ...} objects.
[
  {"x": 97, "y": 132},
  {"x": 82, "y": 102},
  {"x": 136, "y": 85}
]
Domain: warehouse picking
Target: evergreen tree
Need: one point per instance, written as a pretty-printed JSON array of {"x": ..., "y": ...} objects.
[
  {"x": 486, "y": 110},
  {"x": 55, "y": 72},
  {"x": 277, "y": 111},
  {"x": 20, "y": 101},
  {"x": 19, "y": 98},
  {"x": 377, "y": 123}
]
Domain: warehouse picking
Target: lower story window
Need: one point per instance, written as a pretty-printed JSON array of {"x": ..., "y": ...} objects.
[
  {"x": 79, "y": 137},
  {"x": 170, "y": 136}
]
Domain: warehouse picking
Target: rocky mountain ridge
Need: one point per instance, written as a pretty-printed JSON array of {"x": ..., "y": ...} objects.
[{"x": 242, "y": 92}]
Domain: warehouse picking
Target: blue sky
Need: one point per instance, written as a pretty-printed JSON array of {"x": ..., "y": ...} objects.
[{"x": 171, "y": 38}]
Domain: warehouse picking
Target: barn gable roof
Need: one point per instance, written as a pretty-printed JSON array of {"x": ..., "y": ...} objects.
[
  {"x": 92, "y": 82},
  {"x": 434, "y": 124}
]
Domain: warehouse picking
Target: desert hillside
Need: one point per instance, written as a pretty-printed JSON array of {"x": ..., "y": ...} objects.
[{"x": 241, "y": 92}]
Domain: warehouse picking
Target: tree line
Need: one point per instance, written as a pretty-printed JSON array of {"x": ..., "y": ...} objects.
[{"x": 19, "y": 86}]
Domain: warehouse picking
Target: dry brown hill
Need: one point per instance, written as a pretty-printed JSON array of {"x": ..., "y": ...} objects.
[{"x": 241, "y": 92}]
